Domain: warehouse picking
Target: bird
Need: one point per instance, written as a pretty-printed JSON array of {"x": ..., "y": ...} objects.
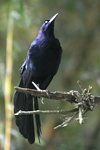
[{"x": 40, "y": 66}]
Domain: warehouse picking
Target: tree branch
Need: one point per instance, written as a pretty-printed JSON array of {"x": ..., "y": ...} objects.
[
  {"x": 83, "y": 102},
  {"x": 57, "y": 95},
  {"x": 47, "y": 112}
]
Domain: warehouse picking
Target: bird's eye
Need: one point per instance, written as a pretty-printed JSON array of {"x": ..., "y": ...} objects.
[{"x": 46, "y": 22}]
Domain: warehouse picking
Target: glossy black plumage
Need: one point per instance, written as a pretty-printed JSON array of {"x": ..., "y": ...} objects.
[{"x": 40, "y": 66}]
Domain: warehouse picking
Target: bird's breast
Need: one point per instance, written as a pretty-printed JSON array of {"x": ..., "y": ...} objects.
[{"x": 47, "y": 59}]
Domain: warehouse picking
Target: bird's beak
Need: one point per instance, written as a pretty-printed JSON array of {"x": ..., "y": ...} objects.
[{"x": 53, "y": 18}]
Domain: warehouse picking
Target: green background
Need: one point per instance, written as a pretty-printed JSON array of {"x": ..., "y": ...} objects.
[{"x": 78, "y": 29}]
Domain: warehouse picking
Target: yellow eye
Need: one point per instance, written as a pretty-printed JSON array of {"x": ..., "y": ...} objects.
[{"x": 46, "y": 22}]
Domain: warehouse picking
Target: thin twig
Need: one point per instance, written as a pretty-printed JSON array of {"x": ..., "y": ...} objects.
[
  {"x": 46, "y": 112},
  {"x": 65, "y": 123},
  {"x": 80, "y": 85}
]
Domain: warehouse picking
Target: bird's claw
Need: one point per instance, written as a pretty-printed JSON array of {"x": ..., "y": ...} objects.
[
  {"x": 42, "y": 100},
  {"x": 47, "y": 92}
]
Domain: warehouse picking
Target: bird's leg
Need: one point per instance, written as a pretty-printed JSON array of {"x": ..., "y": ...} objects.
[
  {"x": 36, "y": 86},
  {"x": 47, "y": 92}
]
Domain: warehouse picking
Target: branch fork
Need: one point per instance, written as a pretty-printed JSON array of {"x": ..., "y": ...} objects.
[{"x": 83, "y": 102}]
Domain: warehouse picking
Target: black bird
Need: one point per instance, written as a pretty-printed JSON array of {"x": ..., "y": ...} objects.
[{"x": 40, "y": 66}]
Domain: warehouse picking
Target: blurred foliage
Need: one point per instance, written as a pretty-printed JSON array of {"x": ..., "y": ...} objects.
[{"x": 77, "y": 27}]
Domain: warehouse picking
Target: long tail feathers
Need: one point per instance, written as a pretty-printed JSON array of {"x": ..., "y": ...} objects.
[{"x": 25, "y": 123}]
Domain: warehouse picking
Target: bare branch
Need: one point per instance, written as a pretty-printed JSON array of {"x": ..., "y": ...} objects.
[
  {"x": 58, "y": 95},
  {"x": 66, "y": 122},
  {"x": 83, "y": 102},
  {"x": 46, "y": 112},
  {"x": 64, "y": 96}
]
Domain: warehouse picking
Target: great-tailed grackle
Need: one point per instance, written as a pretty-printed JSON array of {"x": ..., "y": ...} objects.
[{"x": 41, "y": 64}]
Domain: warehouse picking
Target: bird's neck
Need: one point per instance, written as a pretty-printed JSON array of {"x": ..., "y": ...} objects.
[{"x": 45, "y": 35}]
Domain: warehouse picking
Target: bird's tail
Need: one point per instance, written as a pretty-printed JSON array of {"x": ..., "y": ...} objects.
[{"x": 25, "y": 123}]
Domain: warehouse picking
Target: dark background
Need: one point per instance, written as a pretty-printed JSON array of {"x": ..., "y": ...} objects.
[{"x": 78, "y": 29}]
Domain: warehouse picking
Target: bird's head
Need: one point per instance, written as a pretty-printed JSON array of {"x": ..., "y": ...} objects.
[{"x": 47, "y": 28}]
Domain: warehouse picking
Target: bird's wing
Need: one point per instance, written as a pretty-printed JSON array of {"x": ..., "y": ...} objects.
[
  {"x": 28, "y": 69},
  {"x": 22, "y": 68},
  {"x": 32, "y": 52},
  {"x": 44, "y": 83},
  {"x": 34, "y": 48}
]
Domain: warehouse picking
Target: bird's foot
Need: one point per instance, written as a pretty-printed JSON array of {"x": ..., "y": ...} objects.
[
  {"x": 46, "y": 91},
  {"x": 42, "y": 100}
]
